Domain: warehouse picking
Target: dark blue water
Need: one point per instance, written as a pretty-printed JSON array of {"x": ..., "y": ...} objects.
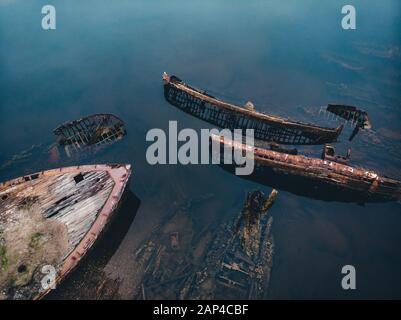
[{"x": 288, "y": 58}]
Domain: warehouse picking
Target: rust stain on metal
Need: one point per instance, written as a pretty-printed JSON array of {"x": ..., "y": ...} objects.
[{"x": 368, "y": 184}]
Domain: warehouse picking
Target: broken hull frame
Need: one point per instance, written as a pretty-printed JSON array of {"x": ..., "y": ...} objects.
[
  {"x": 121, "y": 176},
  {"x": 225, "y": 115},
  {"x": 83, "y": 132},
  {"x": 318, "y": 179}
]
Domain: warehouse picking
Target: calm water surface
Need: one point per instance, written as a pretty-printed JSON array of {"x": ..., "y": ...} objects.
[{"x": 287, "y": 58}]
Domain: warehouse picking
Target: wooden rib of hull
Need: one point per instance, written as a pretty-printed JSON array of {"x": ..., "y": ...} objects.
[
  {"x": 91, "y": 130},
  {"x": 78, "y": 202},
  {"x": 317, "y": 178},
  {"x": 225, "y": 115}
]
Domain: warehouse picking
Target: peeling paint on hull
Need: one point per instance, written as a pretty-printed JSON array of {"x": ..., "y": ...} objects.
[{"x": 317, "y": 178}]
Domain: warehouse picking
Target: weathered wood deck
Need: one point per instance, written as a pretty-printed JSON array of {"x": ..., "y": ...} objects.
[{"x": 53, "y": 218}]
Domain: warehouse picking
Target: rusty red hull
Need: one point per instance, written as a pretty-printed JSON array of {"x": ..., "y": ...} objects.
[{"x": 318, "y": 178}]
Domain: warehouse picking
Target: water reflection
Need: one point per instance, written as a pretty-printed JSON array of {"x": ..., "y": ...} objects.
[{"x": 310, "y": 188}]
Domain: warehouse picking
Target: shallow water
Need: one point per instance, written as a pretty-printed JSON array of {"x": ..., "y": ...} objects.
[{"x": 109, "y": 56}]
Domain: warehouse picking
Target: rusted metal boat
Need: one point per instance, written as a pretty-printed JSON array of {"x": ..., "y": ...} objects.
[
  {"x": 329, "y": 178},
  {"x": 93, "y": 130},
  {"x": 226, "y": 115},
  {"x": 48, "y": 222}
]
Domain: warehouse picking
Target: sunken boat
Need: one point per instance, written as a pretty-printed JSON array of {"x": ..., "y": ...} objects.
[
  {"x": 239, "y": 258},
  {"x": 328, "y": 178},
  {"x": 226, "y": 115},
  {"x": 49, "y": 221},
  {"x": 91, "y": 131},
  {"x": 358, "y": 118}
]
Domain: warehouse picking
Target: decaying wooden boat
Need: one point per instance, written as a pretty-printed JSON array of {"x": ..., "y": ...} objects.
[
  {"x": 239, "y": 258},
  {"x": 93, "y": 130},
  {"x": 329, "y": 178},
  {"x": 357, "y": 117},
  {"x": 350, "y": 113},
  {"x": 225, "y": 115},
  {"x": 49, "y": 220}
]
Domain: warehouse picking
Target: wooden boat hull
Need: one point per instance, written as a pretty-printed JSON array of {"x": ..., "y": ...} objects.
[
  {"x": 53, "y": 218},
  {"x": 225, "y": 115},
  {"x": 317, "y": 178},
  {"x": 91, "y": 131}
]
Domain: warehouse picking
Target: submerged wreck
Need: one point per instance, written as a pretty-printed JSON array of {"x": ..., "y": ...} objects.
[
  {"x": 240, "y": 257},
  {"x": 48, "y": 222},
  {"x": 225, "y": 115},
  {"x": 93, "y": 130},
  {"x": 248, "y": 225},
  {"x": 179, "y": 261},
  {"x": 358, "y": 118},
  {"x": 329, "y": 178}
]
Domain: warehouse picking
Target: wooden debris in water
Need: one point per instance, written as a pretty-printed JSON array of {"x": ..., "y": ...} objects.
[
  {"x": 357, "y": 117},
  {"x": 248, "y": 225},
  {"x": 93, "y": 130}
]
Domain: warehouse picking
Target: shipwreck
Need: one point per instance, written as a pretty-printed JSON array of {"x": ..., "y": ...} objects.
[
  {"x": 48, "y": 222},
  {"x": 90, "y": 131},
  {"x": 240, "y": 257},
  {"x": 358, "y": 118},
  {"x": 329, "y": 178},
  {"x": 226, "y": 115}
]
